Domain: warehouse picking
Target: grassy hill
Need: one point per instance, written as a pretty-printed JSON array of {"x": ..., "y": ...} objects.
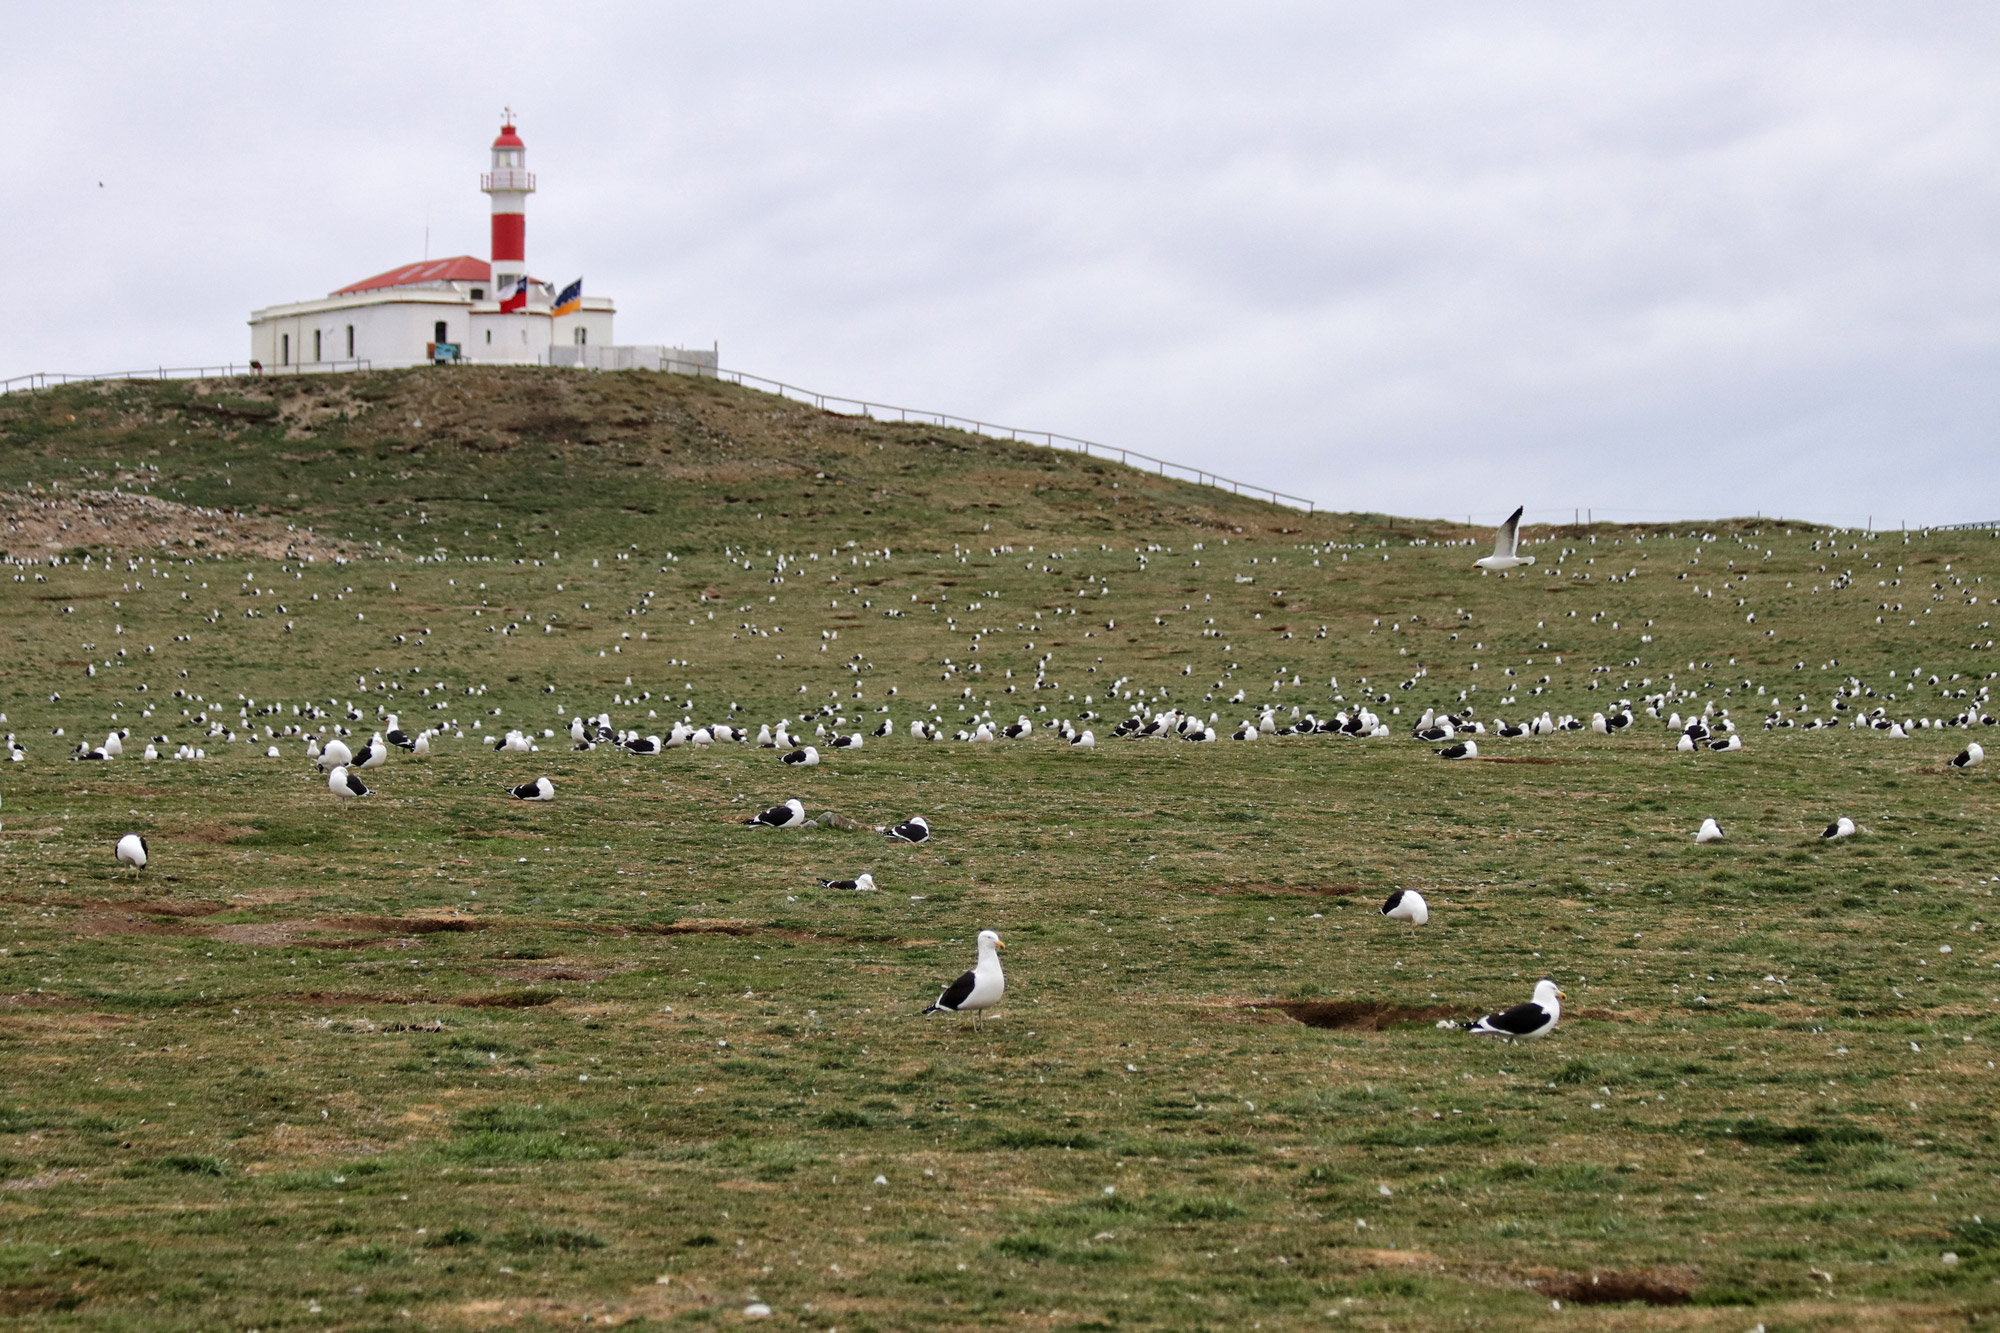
[{"x": 619, "y": 1056}]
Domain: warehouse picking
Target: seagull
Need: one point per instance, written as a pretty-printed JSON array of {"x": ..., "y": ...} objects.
[
  {"x": 643, "y": 745},
  {"x": 343, "y": 783},
  {"x": 114, "y": 746},
  {"x": 1840, "y": 828},
  {"x": 853, "y": 742},
  {"x": 1086, "y": 741},
  {"x": 1462, "y": 750},
  {"x": 1970, "y": 757},
  {"x": 335, "y": 755},
  {"x": 132, "y": 851},
  {"x": 541, "y": 789},
  {"x": 1407, "y": 905},
  {"x": 861, "y": 883},
  {"x": 421, "y": 747},
  {"x": 1536, "y": 1018},
  {"x": 789, "y": 815},
  {"x": 888, "y": 728},
  {"x": 1506, "y": 542},
  {"x": 397, "y": 737},
  {"x": 807, "y": 756},
  {"x": 1685, "y": 744},
  {"x": 981, "y": 988},
  {"x": 373, "y": 755},
  {"x": 914, "y": 829},
  {"x": 1710, "y": 832}
]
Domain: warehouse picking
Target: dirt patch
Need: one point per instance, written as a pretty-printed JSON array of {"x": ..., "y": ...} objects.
[
  {"x": 1357, "y": 1015},
  {"x": 122, "y": 520},
  {"x": 162, "y": 907},
  {"x": 38, "y": 1000},
  {"x": 320, "y": 933},
  {"x": 1610, "y": 1286},
  {"x": 1520, "y": 759},
  {"x": 337, "y": 999},
  {"x": 405, "y": 925}
]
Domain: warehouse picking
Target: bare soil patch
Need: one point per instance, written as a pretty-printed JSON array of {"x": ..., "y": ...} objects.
[
  {"x": 1611, "y": 1286},
  {"x": 53, "y": 521}
]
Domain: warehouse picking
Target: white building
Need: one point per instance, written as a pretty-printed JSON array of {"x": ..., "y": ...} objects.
[{"x": 461, "y": 308}]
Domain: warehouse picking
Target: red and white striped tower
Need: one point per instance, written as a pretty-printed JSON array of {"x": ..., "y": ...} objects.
[{"x": 510, "y": 184}]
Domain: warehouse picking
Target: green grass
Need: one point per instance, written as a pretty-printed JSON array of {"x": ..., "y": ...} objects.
[{"x": 494, "y": 1063}]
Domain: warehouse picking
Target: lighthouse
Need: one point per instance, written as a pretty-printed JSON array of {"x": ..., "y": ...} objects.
[
  {"x": 509, "y": 184},
  {"x": 462, "y": 308}
]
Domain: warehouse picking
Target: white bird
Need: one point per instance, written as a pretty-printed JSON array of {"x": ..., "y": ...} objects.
[
  {"x": 1537, "y": 1018},
  {"x": 1407, "y": 905},
  {"x": 1840, "y": 828},
  {"x": 1970, "y": 757},
  {"x": 980, "y": 989},
  {"x": 914, "y": 829},
  {"x": 541, "y": 789},
  {"x": 114, "y": 746},
  {"x": 789, "y": 815},
  {"x": 343, "y": 783},
  {"x": 1506, "y": 546},
  {"x": 806, "y": 757},
  {"x": 861, "y": 883},
  {"x": 1598, "y": 725},
  {"x": 373, "y": 755},
  {"x": 312, "y": 747},
  {"x": 1462, "y": 750},
  {"x": 151, "y": 753},
  {"x": 132, "y": 851},
  {"x": 1710, "y": 831},
  {"x": 335, "y": 754},
  {"x": 1086, "y": 741},
  {"x": 854, "y": 742},
  {"x": 1685, "y": 744},
  {"x": 271, "y": 753},
  {"x": 422, "y": 747}
]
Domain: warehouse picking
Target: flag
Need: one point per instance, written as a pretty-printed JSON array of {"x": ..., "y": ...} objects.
[
  {"x": 519, "y": 299},
  {"x": 571, "y": 299}
]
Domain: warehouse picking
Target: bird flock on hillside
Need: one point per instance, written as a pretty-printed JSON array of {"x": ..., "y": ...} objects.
[{"x": 807, "y": 739}]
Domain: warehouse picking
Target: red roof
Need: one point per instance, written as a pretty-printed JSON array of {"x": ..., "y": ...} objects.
[
  {"x": 459, "y": 268},
  {"x": 508, "y": 139}
]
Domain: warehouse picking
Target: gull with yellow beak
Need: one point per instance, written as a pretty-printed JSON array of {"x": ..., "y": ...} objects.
[
  {"x": 981, "y": 988},
  {"x": 1506, "y": 547}
]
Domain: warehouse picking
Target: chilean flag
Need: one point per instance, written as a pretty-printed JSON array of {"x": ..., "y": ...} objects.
[{"x": 519, "y": 300}]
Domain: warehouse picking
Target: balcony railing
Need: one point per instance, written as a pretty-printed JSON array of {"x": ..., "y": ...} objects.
[{"x": 511, "y": 180}]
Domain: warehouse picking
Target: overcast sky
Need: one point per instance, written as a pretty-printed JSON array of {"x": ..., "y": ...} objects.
[{"x": 1659, "y": 261}]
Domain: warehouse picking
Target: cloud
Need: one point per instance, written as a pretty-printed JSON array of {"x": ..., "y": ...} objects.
[{"x": 1688, "y": 260}]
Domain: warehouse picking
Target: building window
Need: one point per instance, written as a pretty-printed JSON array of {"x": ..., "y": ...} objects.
[
  {"x": 441, "y": 334},
  {"x": 350, "y": 342},
  {"x": 489, "y": 337},
  {"x": 581, "y": 336},
  {"x": 479, "y": 293},
  {"x": 284, "y": 349},
  {"x": 316, "y": 333}
]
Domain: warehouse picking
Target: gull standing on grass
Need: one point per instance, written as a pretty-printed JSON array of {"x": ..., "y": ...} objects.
[{"x": 981, "y": 988}]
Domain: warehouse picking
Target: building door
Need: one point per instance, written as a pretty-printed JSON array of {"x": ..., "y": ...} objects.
[
  {"x": 442, "y": 333},
  {"x": 316, "y": 334},
  {"x": 284, "y": 349},
  {"x": 350, "y": 342}
]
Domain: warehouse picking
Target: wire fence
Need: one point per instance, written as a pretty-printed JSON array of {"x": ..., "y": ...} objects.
[
  {"x": 43, "y": 379},
  {"x": 1053, "y": 439}
]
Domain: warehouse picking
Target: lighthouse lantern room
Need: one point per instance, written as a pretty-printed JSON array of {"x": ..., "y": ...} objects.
[{"x": 460, "y": 308}]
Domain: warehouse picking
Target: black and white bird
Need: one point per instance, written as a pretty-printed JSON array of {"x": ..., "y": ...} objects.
[
  {"x": 1839, "y": 828},
  {"x": 335, "y": 755},
  {"x": 1407, "y": 905},
  {"x": 914, "y": 829},
  {"x": 1506, "y": 547},
  {"x": 888, "y": 728},
  {"x": 1970, "y": 757},
  {"x": 373, "y": 755},
  {"x": 1710, "y": 831},
  {"x": 789, "y": 815},
  {"x": 541, "y": 789},
  {"x": 343, "y": 783},
  {"x": 980, "y": 989},
  {"x": 1537, "y": 1018},
  {"x": 1462, "y": 750},
  {"x": 806, "y": 756},
  {"x": 132, "y": 851},
  {"x": 861, "y": 883},
  {"x": 1084, "y": 740},
  {"x": 643, "y": 745},
  {"x": 854, "y": 742},
  {"x": 397, "y": 736}
]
